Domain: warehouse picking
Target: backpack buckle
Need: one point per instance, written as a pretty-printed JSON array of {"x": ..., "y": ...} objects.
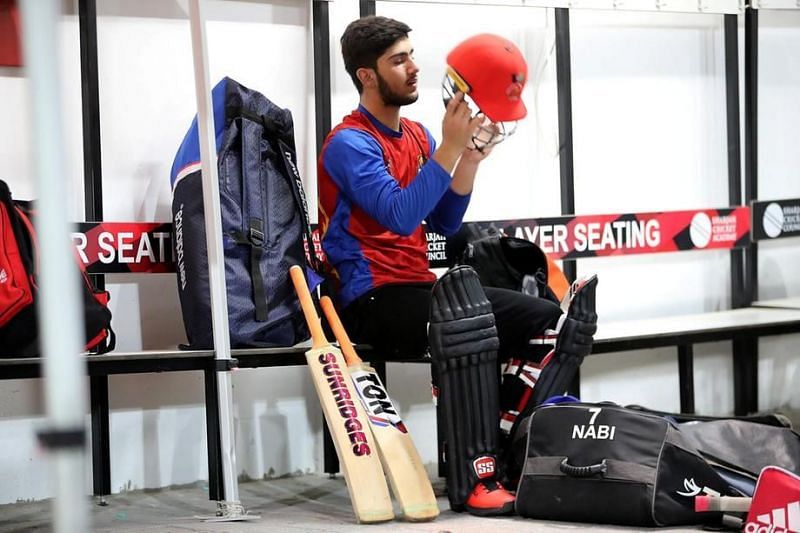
[{"x": 256, "y": 237}]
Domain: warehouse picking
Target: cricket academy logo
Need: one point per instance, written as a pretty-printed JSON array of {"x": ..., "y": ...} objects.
[
  {"x": 779, "y": 219},
  {"x": 706, "y": 229},
  {"x": 776, "y": 219},
  {"x": 772, "y": 220}
]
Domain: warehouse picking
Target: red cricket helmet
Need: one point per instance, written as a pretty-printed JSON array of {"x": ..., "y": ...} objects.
[{"x": 492, "y": 73}]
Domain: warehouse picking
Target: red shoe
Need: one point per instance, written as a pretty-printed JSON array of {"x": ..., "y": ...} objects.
[{"x": 489, "y": 498}]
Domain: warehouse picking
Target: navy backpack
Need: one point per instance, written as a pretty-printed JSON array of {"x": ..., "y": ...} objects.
[{"x": 264, "y": 221}]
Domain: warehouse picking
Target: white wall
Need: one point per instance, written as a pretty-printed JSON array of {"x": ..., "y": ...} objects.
[{"x": 648, "y": 107}]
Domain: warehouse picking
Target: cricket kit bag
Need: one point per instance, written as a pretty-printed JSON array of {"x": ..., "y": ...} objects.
[
  {"x": 604, "y": 463},
  {"x": 509, "y": 262},
  {"x": 264, "y": 221},
  {"x": 19, "y": 258}
]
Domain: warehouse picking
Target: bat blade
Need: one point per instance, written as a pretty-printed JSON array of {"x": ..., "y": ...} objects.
[
  {"x": 401, "y": 461},
  {"x": 348, "y": 423}
]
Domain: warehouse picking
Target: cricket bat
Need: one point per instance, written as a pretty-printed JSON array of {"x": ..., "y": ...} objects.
[
  {"x": 401, "y": 461},
  {"x": 348, "y": 424}
]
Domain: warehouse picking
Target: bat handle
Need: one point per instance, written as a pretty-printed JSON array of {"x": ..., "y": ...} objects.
[
  {"x": 350, "y": 355},
  {"x": 312, "y": 319}
]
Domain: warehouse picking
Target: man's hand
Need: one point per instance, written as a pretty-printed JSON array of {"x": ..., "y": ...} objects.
[
  {"x": 476, "y": 154},
  {"x": 458, "y": 127}
]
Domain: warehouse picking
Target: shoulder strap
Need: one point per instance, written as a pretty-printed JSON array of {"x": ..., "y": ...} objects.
[
  {"x": 272, "y": 131},
  {"x": 296, "y": 184}
]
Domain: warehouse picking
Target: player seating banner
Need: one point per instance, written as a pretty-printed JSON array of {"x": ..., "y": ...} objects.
[
  {"x": 133, "y": 247},
  {"x": 572, "y": 237},
  {"x": 776, "y": 219},
  {"x": 110, "y": 247}
]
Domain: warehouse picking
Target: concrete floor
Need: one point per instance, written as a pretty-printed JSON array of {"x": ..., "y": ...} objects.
[{"x": 300, "y": 504}]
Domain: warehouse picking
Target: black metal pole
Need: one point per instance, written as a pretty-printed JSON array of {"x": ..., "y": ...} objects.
[
  {"x": 686, "y": 377},
  {"x": 751, "y": 141},
  {"x": 322, "y": 70},
  {"x": 564, "y": 84},
  {"x": 366, "y": 8},
  {"x": 216, "y": 486},
  {"x": 745, "y": 351},
  {"x": 93, "y": 211},
  {"x": 322, "y": 99},
  {"x": 566, "y": 162},
  {"x": 101, "y": 452},
  {"x": 90, "y": 96},
  {"x": 731, "y": 25}
]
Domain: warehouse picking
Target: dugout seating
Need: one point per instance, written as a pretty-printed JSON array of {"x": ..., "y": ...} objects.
[{"x": 773, "y": 317}]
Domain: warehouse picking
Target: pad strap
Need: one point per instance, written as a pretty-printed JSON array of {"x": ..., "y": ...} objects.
[{"x": 574, "y": 342}]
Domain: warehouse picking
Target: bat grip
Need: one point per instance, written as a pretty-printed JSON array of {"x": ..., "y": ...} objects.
[
  {"x": 307, "y": 304},
  {"x": 350, "y": 355}
]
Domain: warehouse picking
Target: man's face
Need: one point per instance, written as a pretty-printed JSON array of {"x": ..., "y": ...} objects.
[{"x": 397, "y": 74}]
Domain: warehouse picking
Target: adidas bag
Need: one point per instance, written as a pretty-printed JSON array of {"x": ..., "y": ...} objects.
[
  {"x": 776, "y": 503},
  {"x": 264, "y": 220},
  {"x": 604, "y": 463},
  {"x": 19, "y": 258}
]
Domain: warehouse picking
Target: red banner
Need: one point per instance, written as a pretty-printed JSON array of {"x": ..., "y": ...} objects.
[
  {"x": 106, "y": 247},
  {"x": 573, "y": 237},
  {"x": 10, "y": 51}
]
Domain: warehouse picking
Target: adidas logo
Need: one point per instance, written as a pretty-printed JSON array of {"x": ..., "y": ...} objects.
[
  {"x": 779, "y": 520},
  {"x": 3, "y": 275}
]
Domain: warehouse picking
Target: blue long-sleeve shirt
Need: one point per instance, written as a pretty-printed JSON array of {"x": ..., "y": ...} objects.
[{"x": 376, "y": 186}]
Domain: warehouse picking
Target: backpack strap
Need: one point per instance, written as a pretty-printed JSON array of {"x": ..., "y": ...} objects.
[
  {"x": 253, "y": 236},
  {"x": 273, "y": 132},
  {"x": 295, "y": 183}
]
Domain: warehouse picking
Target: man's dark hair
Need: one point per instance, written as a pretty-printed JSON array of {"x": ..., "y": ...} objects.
[{"x": 365, "y": 40}]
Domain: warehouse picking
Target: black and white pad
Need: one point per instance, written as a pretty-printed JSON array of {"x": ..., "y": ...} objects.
[
  {"x": 575, "y": 339},
  {"x": 463, "y": 344}
]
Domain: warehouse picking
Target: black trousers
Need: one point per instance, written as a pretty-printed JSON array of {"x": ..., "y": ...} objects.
[{"x": 394, "y": 319}]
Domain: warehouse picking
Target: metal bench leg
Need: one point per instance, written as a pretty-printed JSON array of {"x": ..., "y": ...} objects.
[
  {"x": 745, "y": 376},
  {"x": 101, "y": 453},
  {"x": 331, "y": 460},
  {"x": 686, "y": 377},
  {"x": 216, "y": 491}
]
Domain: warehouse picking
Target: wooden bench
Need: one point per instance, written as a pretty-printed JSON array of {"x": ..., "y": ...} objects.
[{"x": 779, "y": 303}]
